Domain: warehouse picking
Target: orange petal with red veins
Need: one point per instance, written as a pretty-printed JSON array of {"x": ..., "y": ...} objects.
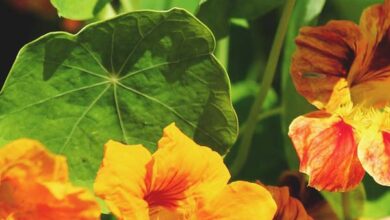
[
  {"x": 374, "y": 154},
  {"x": 120, "y": 180},
  {"x": 182, "y": 171},
  {"x": 289, "y": 208},
  {"x": 240, "y": 200},
  {"x": 323, "y": 56},
  {"x": 327, "y": 150},
  {"x": 374, "y": 23},
  {"x": 370, "y": 76}
]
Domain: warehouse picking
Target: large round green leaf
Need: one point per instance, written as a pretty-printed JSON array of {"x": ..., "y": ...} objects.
[{"x": 123, "y": 79}]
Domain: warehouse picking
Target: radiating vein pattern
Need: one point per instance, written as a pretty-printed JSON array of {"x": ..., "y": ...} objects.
[{"x": 123, "y": 79}]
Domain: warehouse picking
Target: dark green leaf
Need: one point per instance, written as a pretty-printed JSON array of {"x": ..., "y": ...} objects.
[
  {"x": 123, "y": 79},
  {"x": 251, "y": 9},
  {"x": 336, "y": 9},
  {"x": 216, "y": 15}
]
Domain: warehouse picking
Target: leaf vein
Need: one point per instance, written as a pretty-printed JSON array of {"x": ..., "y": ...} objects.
[
  {"x": 162, "y": 64},
  {"x": 53, "y": 97},
  {"x": 76, "y": 68},
  {"x": 170, "y": 109},
  {"x": 94, "y": 57},
  {"x": 82, "y": 116},
  {"x": 119, "y": 115},
  {"x": 139, "y": 43}
]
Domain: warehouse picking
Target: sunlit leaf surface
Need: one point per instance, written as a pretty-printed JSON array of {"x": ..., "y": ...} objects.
[
  {"x": 123, "y": 79},
  {"x": 79, "y": 9}
]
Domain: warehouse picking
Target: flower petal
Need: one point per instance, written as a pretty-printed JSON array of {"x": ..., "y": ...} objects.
[
  {"x": 240, "y": 200},
  {"x": 375, "y": 22},
  {"x": 323, "y": 56},
  {"x": 48, "y": 201},
  {"x": 327, "y": 151},
  {"x": 316, "y": 206},
  {"x": 181, "y": 170},
  {"x": 28, "y": 159},
  {"x": 34, "y": 186},
  {"x": 374, "y": 154},
  {"x": 370, "y": 76},
  {"x": 120, "y": 180},
  {"x": 374, "y": 91},
  {"x": 289, "y": 208}
]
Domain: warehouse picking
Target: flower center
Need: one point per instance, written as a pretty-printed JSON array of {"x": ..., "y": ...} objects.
[{"x": 164, "y": 198}]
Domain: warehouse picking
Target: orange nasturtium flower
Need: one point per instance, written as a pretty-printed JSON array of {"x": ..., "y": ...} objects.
[
  {"x": 344, "y": 70},
  {"x": 34, "y": 185},
  {"x": 289, "y": 208},
  {"x": 181, "y": 180}
]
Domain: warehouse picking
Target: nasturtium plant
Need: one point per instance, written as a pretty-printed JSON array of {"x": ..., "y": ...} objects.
[
  {"x": 79, "y": 10},
  {"x": 122, "y": 79}
]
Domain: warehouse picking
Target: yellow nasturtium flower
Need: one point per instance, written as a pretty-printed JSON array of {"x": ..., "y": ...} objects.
[
  {"x": 181, "y": 180},
  {"x": 34, "y": 185},
  {"x": 343, "y": 69}
]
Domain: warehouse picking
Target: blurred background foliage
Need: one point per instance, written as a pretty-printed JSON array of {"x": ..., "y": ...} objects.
[{"x": 245, "y": 30}]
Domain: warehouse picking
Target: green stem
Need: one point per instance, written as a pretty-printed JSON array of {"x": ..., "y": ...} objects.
[
  {"x": 346, "y": 205},
  {"x": 107, "y": 12},
  {"x": 270, "y": 113},
  {"x": 126, "y": 5},
  {"x": 265, "y": 115},
  {"x": 222, "y": 52},
  {"x": 246, "y": 140}
]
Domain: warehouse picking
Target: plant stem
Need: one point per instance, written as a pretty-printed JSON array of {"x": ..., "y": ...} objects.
[
  {"x": 265, "y": 115},
  {"x": 346, "y": 205},
  {"x": 222, "y": 52},
  {"x": 246, "y": 140},
  {"x": 270, "y": 113},
  {"x": 126, "y": 5},
  {"x": 107, "y": 12}
]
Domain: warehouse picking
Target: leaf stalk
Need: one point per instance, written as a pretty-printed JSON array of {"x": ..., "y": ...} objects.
[{"x": 269, "y": 73}]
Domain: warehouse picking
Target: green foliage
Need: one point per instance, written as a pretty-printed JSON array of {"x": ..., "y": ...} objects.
[
  {"x": 347, "y": 205},
  {"x": 305, "y": 13},
  {"x": 189, "y": 5},
  {"x": 79, "y": 9},
  {"x": 219, "y": 14},
  {"x": 251, "y": 9},
  {"x": 127, "y": 78},
  {"x": 216, "y": 14},
  {"x": 123, "y": 79},
  {"x": 378, "y": 199},
  {"x": 346, "y": 9}
]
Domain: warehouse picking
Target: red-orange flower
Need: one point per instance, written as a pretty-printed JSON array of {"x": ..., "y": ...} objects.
[
  {"x": 34, "y": 185},
  {"x": 181, "y": 180},
  {"x": 344, "y": 70},
  {"x": 289, "y": 208}
]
